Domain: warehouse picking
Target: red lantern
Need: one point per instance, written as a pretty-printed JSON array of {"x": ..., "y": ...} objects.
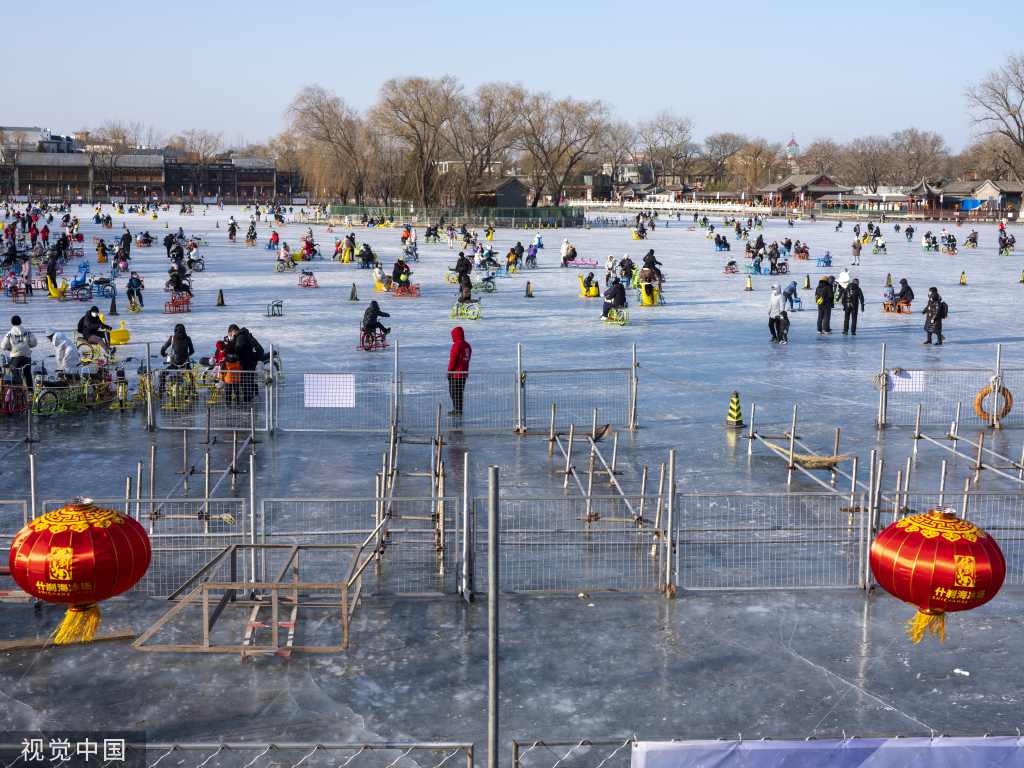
[
  {"x": 79, "y": 555},
  {"x": 939, "y": 563}
]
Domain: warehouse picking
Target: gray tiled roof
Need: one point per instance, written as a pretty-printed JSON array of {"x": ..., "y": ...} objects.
[{"x": 53, "y": 159}]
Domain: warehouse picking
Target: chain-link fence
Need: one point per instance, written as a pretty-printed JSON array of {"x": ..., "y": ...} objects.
[
  {"x": 420, "y": 549},
  {"x": 767, "y": 541},
  {"x": 184, "y": 534},
  {"x": 334, "y": 402},
  {"x": 575, "y": 395},
  {"x": 937, "y": 392},
  {"x": 481, "y": 401},
  {"x": 584, "y": 753},
  {"x": 572, "y": 544},
  {"x": 999, "y": 514},
  {"x": 193, "y": 400},
  {"x": 416, "y": 754}
]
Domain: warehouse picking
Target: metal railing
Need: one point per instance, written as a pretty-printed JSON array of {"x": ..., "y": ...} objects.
[
  {"x": 938, "y": 392},
  {"x": 184, "y": 534},
  {"x": 333, "y": 402},
  {"x": 395, "y": 754}
]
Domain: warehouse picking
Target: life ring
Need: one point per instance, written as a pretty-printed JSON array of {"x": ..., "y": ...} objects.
[{"x": 979, "y": 401}]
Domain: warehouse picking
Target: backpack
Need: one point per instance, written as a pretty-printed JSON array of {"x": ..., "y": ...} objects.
[{"x": 943, "y": 310}]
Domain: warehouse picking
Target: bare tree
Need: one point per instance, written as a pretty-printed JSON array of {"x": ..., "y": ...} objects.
[
  {"x": 332, "y": 133},
  {"x": 11, "y": 146},
  {"x": 111, "y": 142},
  {"x": 756, "y": 164},
  {"x": 198, "y": 148},
  {"x": 867, "y": 161},
  {"x": 717, "y": 149},
  {"x": 984, "y": 158},
  {"x": 387, "y": 158},
  {"x": 915, "y": 155},
  {"x": 821, "y": 158},
  {"x": 417, "y": 111},
  {"x": 617, "y": 146},
  {"x": 558, "y": 136},
  {"x": 142, "y": 136},
  {"x": 481, "y": 132},
  {"x": 996, "y": 105}
]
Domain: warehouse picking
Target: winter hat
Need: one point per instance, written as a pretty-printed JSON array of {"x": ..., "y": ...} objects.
[
  {"x": 49, "y": 332},
  {"x": 16, "y": 320}
]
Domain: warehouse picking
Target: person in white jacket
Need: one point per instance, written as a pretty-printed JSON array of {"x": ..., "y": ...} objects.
[
  {"x": 19, "y": 343},
  {"x": 565, "y": 249},
  {"x": 775, "y": 305},
  {"x": 609, "y": 269},
  {"x": 68, "y": 359},
  {"x": 844, "y": 278}
]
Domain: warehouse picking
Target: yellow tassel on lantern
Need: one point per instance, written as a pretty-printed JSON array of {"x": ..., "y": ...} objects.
[
  {"x": 922, "y": 624},
  {"x": 79, "y": 625}
]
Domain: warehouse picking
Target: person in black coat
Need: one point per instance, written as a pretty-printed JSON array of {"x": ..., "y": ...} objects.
[
  {"x": 851, "y": 296},
  {"x": 168, "y": 244},
  {"x": 463, "y": 266},
  {"x": 824, "y": 296},
  {"x": 651, "y": 263},
  {"x": 905, "y": 293},
  {"x": 180, "y": 344},
  {"x": 91, "y": 328},
  {"x": 614, "y": 296},
  {"x": 933, "y": 316},
  {"x": 126, "y": 242},
  {"x": 370, "y": 321}
]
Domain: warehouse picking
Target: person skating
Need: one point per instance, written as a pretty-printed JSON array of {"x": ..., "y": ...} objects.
[
  {"x": 135, "y": 288},
  {"x": 824, "y": 295},
  {"x": 852, "y": 295},
  {"x": 905, "y": 295},
  {"x": 370, "y": 319},
  {"x": 458, "y": 365},
  {"x": 775, "y": 304},
  {"x": 92, "y": 329},
  {"x": 19, "y": 342},
  {"x": 934, "y": 313},
  {"x": 179, "y": 344},
  {"x": 614, "y": 296},
  {"x": 652, "y": 263},
  {"x": 856, "y": 253}
]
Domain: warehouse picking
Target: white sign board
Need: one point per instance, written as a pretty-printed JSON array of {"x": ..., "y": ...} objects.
[
  {"x": 906, "y": 381},
  {"x": 329, "y": 390}
]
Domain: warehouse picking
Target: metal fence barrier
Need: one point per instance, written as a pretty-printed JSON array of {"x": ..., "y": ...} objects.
[
  {"x": 938, "y": 392},
  {"x": 575, "y": 395},
  {"x": 333, "y": 402},
  {"x": 572, "y": 544},
  {"x": 194, "y": 401},
  {"x": 488, "y": 400},
  {"x": 767, "y": 541},
  {"x": 412, "y": 754},
  {"x": 420, "y": 552},
  {"x": 185, "y": 534}
]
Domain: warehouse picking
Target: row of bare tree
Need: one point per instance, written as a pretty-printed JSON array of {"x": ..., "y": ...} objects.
[{"x": 429, "y": 140}]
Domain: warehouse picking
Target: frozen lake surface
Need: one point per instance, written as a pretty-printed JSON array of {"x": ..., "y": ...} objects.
[{"x": 785, "y": 663}]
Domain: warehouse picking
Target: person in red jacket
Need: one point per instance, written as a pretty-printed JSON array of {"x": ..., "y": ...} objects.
[
  {"x": 45, "y": 233},
  {"x": 458, "y": 364},
  {"x": 34, "y": 234}
]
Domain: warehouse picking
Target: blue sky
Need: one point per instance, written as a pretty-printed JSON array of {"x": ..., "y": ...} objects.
[{"x": 809, "y": 68}]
